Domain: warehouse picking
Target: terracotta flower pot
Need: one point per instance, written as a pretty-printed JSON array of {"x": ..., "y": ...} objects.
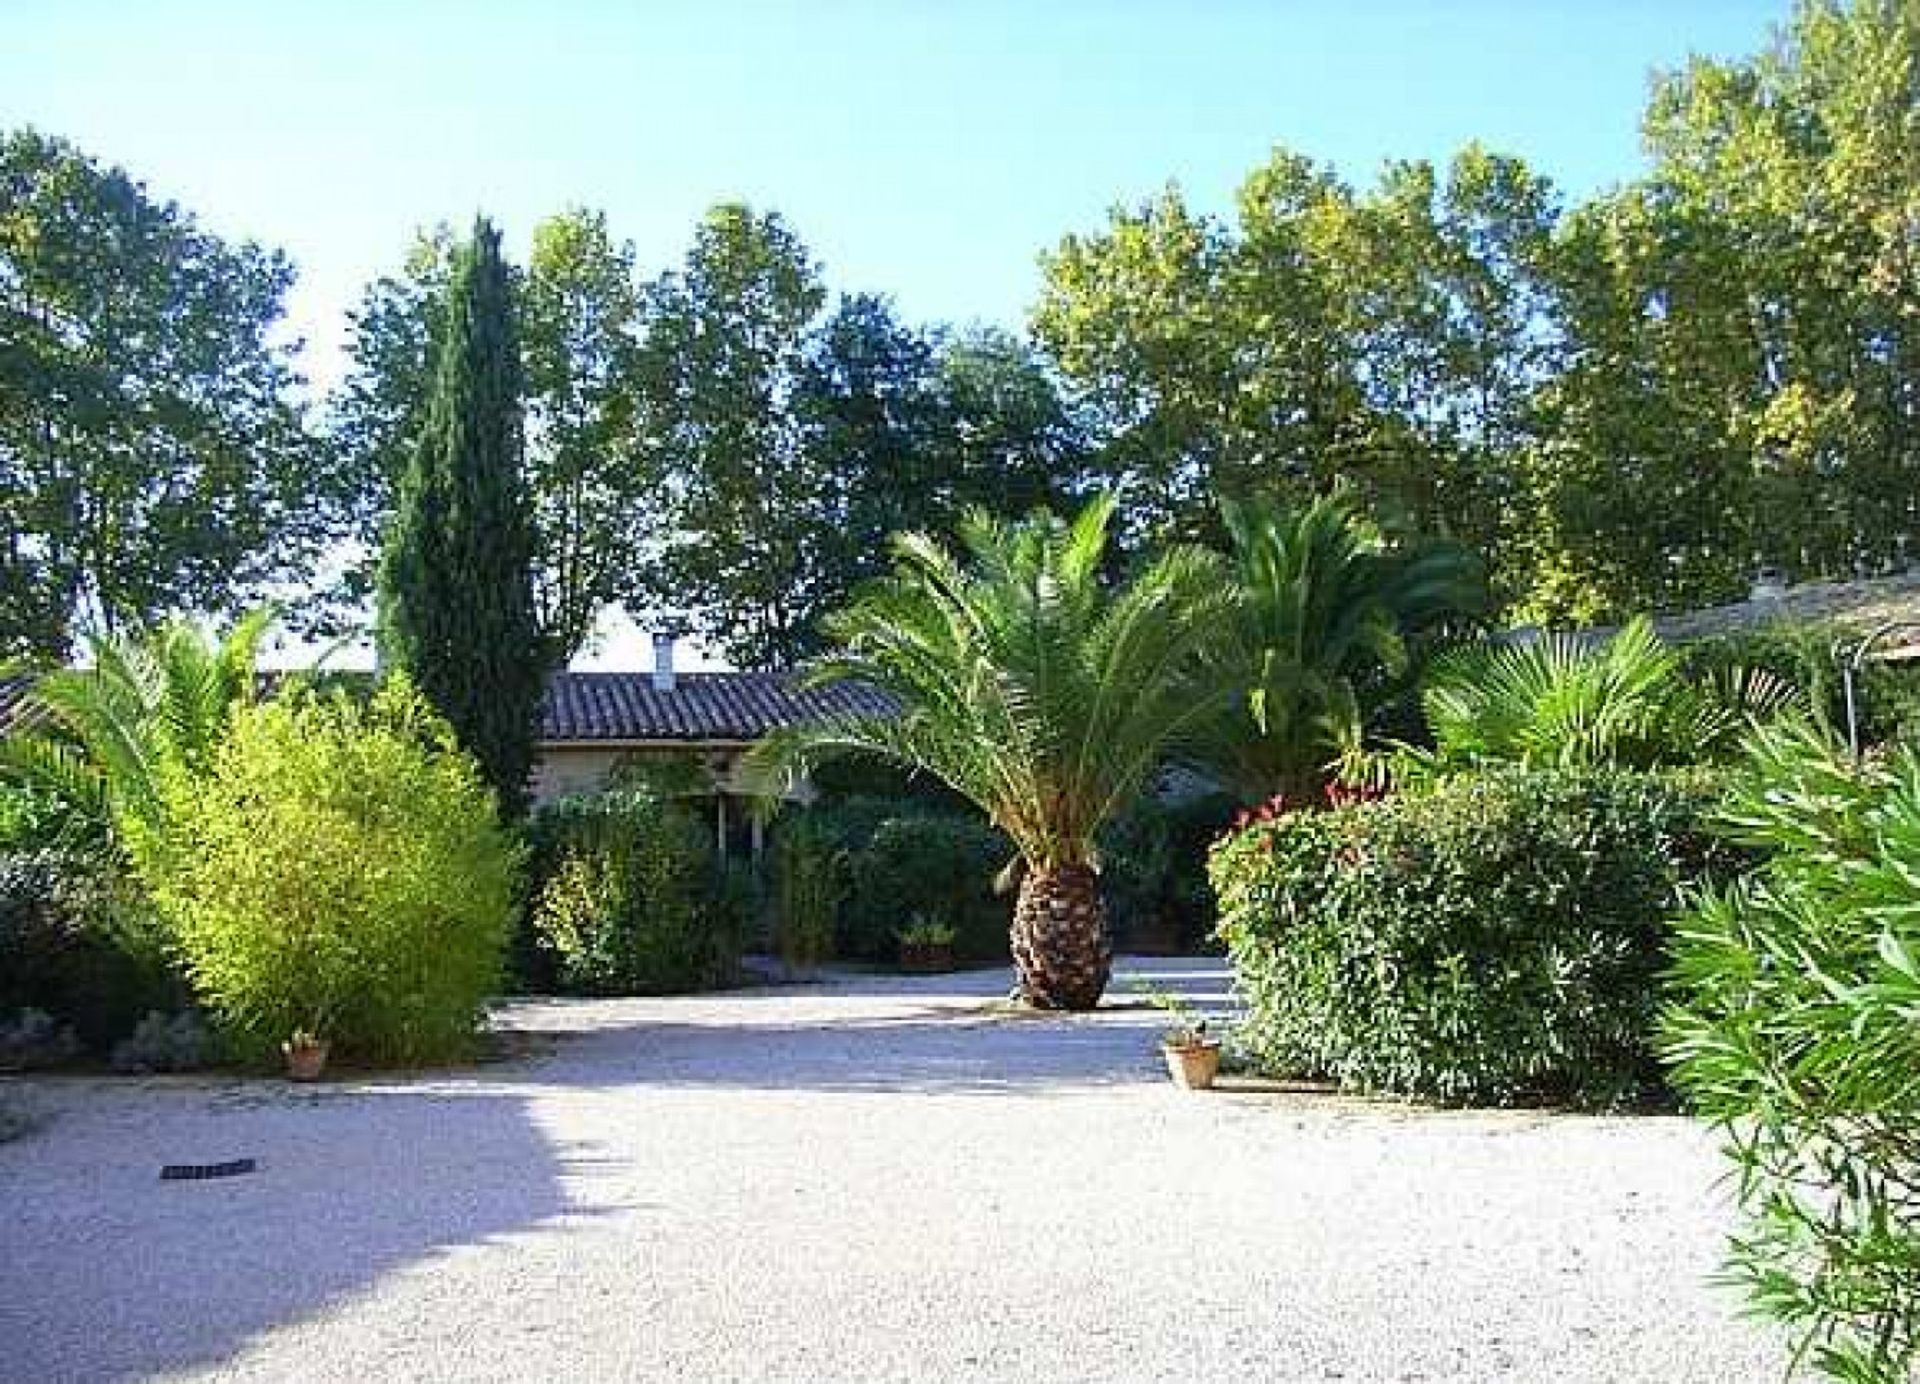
[
  {"x": 1193, "y": 1066},
  {"x": 305, "y": 1061}
]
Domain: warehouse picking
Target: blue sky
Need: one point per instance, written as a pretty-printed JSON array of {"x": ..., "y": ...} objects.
[{"x": 928, "y": 151}]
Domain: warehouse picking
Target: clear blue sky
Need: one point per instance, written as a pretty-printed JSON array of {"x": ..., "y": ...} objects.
[{"x": 925, "y": 150}]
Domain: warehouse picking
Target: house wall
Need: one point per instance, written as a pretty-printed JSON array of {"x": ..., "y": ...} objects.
[
  {"x": 559, "y": 769},
  {"x": 562, "y": 769}
]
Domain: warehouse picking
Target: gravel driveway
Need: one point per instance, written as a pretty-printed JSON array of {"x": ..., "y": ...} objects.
[{"x": 868, "y": 1178}]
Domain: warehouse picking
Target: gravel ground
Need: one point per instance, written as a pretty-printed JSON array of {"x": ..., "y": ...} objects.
[{"x": 868, "y": 1178}]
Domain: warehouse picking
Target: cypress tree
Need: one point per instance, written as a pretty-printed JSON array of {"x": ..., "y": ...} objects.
[{"x": 456, "y": 608}]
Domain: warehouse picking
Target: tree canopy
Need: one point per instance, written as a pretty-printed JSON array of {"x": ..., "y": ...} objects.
[
  {"x": 153, "y": 456},
  {"x": 1628, "y": 402}
]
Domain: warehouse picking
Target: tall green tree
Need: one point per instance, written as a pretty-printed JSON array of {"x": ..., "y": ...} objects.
[
  {"x": 1032, "y": 686},
  {"x": 727, "y": 336},
  {"x": 153, "y": 456},
  {"x": 594, "y": 497},
  {"x": 1011, "y": 439},
  {"x": 456, "y": 585},
  {"x": 908, "y": 429},
  {"x": 1747, "y": 325},
  {"x": 1391, "y": 339}
]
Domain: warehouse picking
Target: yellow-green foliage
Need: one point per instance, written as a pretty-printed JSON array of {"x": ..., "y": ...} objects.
[
  {"x": 633, "y": 900},
  {"x": 341, "y": 869}
]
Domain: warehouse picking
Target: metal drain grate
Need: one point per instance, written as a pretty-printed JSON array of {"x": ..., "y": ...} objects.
[{"x": 202, "y": 1172}]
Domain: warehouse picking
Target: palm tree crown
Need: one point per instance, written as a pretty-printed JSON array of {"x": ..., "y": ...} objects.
[
  {"x": 1567, "y": 701},
  {"x": 1320, "y": 627},
  {"x": 99, "y": 736}
]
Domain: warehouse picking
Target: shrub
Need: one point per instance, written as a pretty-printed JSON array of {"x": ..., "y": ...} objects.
[
  {"x": 33, "y": 1038},
  {"x": 1794, "y": 1028},
  {"x": 905, "y": 857},
  {"x": 1887, "y": 694},
  {"x": 1154, "y": 868},
  {"x": 633, "y": 900},
  {"x": 1566, "y": 702},
  {"x": 810, "y": 882},
  {"x": 1499, "y": 939},
  {"x": 340, "y": 869},
  {"x": 81, "y": 944},
  {"x": 31, "y": 819},
  {"x": 167, "y": 1043}
]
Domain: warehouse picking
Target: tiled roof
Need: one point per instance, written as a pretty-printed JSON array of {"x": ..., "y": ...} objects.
[
  {"x": 701, "y": 706},
  {"x": 626, "y": 706},
  {"x": 1861, "y": 606}
]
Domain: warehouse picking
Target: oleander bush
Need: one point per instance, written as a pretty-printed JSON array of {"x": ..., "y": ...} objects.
[
  {"x": 1499, "y": 939},
  {"x": 340, "y": 868},
  {"x": 632, "y": 898},
  {"x": 1794, "y": 1027}
]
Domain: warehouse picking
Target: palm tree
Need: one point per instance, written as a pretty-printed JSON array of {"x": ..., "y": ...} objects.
[
  {"x": 99, "y": 736},
  {"x": 1572, "y": 702},
  {"x": 1319, "y": 633},
  {"x": 1037, "y": 690}
]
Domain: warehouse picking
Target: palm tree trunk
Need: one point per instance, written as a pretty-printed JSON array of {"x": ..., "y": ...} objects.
[{"x": 1060, "y": 948}]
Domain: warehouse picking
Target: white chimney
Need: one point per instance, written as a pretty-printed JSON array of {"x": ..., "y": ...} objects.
[{"x": 663, "y": 678}]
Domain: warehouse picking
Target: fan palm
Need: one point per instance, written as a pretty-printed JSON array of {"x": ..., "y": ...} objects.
[
  {"x": 98, "y": 737},
  {"x": 1037, "y": 690},
  {"x": 1325, "y": 607},
  {"x": 1568, "y": 702}
]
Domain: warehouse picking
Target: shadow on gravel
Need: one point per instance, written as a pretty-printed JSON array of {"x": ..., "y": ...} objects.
[
  {"x": 913, "y": 1037},
  {"x": 106, "y": 1272}
]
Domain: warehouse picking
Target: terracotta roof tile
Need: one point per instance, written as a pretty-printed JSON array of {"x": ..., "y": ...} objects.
[
  {"x": 701, "y": 706},
  {"x": 627, "y": 706}
]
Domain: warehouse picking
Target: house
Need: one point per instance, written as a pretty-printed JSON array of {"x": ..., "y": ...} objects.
[
  {"x": 1875, "y": 617},
  {"x": 591, "y": 724}
]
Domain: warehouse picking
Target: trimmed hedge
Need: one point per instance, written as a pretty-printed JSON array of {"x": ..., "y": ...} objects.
[{"x": 1499, "y": 939}]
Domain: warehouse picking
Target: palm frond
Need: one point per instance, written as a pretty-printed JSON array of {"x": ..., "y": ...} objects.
[
  {"x": 1023, "y": 679},
  {"x": 1326, "y": 605}
]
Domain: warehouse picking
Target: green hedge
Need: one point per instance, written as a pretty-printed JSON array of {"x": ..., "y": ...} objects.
[
  {"x": 81, "y": 946},
  {"x": 1499, "y": 939},
  {"x": 631, "y": 898},
  {"x": 907, "y": 857}
]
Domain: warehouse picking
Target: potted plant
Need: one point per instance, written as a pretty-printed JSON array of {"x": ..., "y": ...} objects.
[
  {"x": 1192, "y": 1054},
  {"x": 926, "y": 947},
  {"x": 1191, "y": 1050},
  {"x": 306, "y": 1055}
]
